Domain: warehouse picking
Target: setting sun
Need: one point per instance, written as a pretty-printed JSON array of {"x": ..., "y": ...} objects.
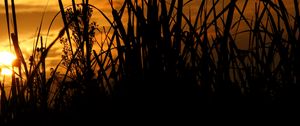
[
  {"x": 6, "y": 60},
  {"x": 6, "y": 71}
]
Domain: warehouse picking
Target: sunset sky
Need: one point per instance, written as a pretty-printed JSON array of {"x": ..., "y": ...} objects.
[{"x": 29, "y": 14}]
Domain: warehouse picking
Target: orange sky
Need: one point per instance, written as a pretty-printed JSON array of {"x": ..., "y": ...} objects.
[{"x": 29, "y": 14}]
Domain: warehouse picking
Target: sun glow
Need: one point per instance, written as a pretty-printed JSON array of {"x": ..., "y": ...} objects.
[
  {"x": 6, "y": 60},
  {"x": 6, "y": 71}
]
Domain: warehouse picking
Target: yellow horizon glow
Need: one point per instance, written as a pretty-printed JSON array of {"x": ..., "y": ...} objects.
[
  {"x": 6, "y": 71},
  {"x": 6, "y": 60}
]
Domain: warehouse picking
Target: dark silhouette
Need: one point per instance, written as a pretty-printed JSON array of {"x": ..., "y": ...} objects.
[{"x": 156, "y": 59}]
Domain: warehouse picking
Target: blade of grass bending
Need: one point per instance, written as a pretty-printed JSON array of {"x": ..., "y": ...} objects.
[
  {"x": 285, "y": 19},
  {"x": 172, "y": 6},
  {"x": 177, "y": 43},
  {"x": 62, "y": 11},
  {"x": 15, "y": 39},
  {"x": 223, "y": 61},
  {"x": 216, "y": 17},
  {"x": 7, "y": 22},
  {"x": 44, "y": 55},
  {"x": 241, "y": 13},
  {"x": 39, "y": 30},
  {"x": 199, "y": 13},
  {"x": 37, "y": 39}
]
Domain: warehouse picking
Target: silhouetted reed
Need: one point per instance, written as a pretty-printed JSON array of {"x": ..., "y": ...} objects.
[{"x": 155, "y": 52}]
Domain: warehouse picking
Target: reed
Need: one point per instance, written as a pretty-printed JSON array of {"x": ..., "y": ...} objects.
[{"x": 155, "y": 52}]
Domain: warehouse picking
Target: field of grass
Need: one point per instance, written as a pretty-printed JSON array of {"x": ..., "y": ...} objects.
[{"x": 155, "y": 53}]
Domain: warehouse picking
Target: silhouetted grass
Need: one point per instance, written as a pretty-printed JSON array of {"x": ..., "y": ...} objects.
[{"x": 156, "y": 54}]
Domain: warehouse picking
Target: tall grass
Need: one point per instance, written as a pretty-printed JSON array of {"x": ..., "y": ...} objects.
[{"x": 155, "y": 52}]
